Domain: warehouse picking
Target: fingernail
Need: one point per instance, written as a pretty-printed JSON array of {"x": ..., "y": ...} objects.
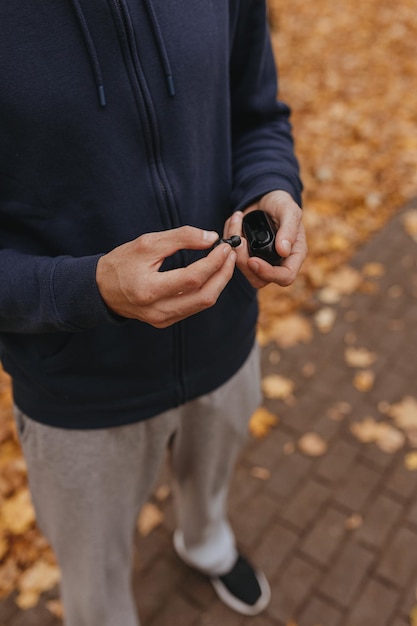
[
  {"x": 236, "y": 217},
  {"x": 210, "y": 236},
  {"x": 286, "y": 246}
]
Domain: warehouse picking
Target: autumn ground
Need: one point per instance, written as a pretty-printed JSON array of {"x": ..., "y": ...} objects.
[{"x": 349, "y": 72}]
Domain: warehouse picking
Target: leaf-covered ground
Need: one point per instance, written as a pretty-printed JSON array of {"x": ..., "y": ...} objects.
[{"x": 349, "y": 72}]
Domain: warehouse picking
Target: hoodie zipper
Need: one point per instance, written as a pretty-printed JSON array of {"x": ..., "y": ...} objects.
[
  {"x": 157, "y": 168},
  {"x": 145, "y": 109}
]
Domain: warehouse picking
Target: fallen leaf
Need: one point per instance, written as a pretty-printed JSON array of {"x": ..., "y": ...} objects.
[
  {"x": 162, "y": 493},
  {"x": 39, "y": 578},
  {"x": 312, "y": 444},
  {"x": 150, "y": 518},
  {"x": 386, "y": 437},
  {"x": 339, "y": 411},
  {"x": 354, "y": 521},
  {"x": 17, "y": 513},
  {"x": 413, "y": 616},
  {"x": 56, "y": 608},
  {"x": 410, "y": 461},
  {"x": 277, "y": 387},
  {"x": 289, "y": 448},
  {"x": 329, "y": 295},
  {"x": 345, "y": 280},
  {"x": 325, "y": 319},
  {"x": 261, "y": 472},
  {"x": 261, "y": 422},
  {"x": 410, "y": 223},
  {"x": 309, "y": 369},
  {"x": 27, "y": 599},
  {"x": 373, "y": 270},
  {"x": 364, "y": 381},
  {"x": 359, "y": 357},
  {"x": 290, "y": 330},
  {"x": 404, "y": 413}
]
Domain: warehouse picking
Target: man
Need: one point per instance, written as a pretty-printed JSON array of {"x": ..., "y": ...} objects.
[{"x": 133, "y": 134}]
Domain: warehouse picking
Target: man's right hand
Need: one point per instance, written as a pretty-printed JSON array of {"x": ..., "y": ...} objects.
[{"x": 132, "y": 286}]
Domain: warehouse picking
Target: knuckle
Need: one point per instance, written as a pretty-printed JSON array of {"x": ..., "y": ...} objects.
[
  {"x": 146, "y": 241},
  {"x": 288, "y": 279},
  {"x": 209, "y": 300}
]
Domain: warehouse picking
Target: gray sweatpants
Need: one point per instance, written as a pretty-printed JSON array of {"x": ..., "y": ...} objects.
[{"x": 88, "y": 487}]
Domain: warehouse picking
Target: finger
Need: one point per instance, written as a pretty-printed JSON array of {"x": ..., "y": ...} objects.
[
  {"x": 176, "y": 308},
  {"x": 233, "y": 226},
  {"x": 162, "y": 244},
  {"x": 289, "y": 223},
  {"x": 191, "y": 278},
  {"x": 285, "y": 273}
]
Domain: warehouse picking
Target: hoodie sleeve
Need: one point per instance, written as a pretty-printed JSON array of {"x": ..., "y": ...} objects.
[
  {"x": 263, "y": 151},
  {"x": 41, "y": 294}
]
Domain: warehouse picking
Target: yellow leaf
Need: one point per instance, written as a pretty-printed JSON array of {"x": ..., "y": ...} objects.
[
  {"x": 345, "y": 281},
  {"x": 56, "y": 608},
  {"x": 386, "y": 437},
  {"x": 261, "y": 422},
  {"x": 325, "y": 319},
  {"x": 339, "y": 410},
  {"x": 404, "y": 413},
  {"x": 354, "y": 521},
  {"x": 150, "y": 517},
  {"x": 291, "y": 330},
  {"x": 40, "y": 577},
  {"x": 312, "y": 444},
  {"x": 261, "y": 472},
  {"x": 410, "y": 223},
  {"x": 27, "y": 599},
  {"x": 374, "y": 270},
  {"x": 359, "y": 357},
  {"x": 364, "y": 381},
  {"x": 413, "y": 616},
  {"x": 410, "y": 461},
  {"x": 277, "y": 387},
  {"x": 17, "y": 513}
]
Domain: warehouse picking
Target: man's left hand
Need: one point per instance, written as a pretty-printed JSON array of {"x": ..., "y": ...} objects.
[{"x": 290, "y": 241}]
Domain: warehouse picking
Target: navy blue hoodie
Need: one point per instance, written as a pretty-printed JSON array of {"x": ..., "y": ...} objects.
[{"x": 121, "y": 117}]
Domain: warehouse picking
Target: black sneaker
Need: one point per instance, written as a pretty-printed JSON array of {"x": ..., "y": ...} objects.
[{"x": 243, "y": 589}]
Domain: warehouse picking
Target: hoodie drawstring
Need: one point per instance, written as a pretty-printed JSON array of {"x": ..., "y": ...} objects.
[
  {"x": 93, "y": 56},
  {"x": 161, "y": 47},
  {"x": 92, "y": 52}
]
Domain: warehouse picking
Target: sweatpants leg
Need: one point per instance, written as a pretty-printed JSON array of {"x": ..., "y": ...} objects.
[
  {"x": 211, "y": 432},
  {"x": 87, "y": 488}
]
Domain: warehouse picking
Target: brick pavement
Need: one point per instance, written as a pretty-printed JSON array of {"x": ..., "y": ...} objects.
[{"x": 298, "y": 525}]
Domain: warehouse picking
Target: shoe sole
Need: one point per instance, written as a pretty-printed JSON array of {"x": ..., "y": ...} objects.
[{"x": 222, "y": 592}]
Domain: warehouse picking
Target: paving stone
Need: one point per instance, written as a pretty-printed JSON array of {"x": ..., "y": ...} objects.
[
  {"x": 177, "y": 611},
  {"x": 305, "y": 504},
  {"x": 379, "y": 520},
  {"x": 319, "y": 613},
  {"x": 250, "y": 520},
  {"x": 269, "y": 451},
  {"x": 324, "y": 539},
  {"x": 375, "y": 605},
  {"x": 399, "y": 561},
  {"x": 402, "y": 482},
  {"x": 357, "y": 488},
  {"x": 8, "y": 610},
  {"x": 292, "y": 589},
  {"x": 348, "y": 574},
  {"x": 274, "y": 548},
  {"x": 412, "y": 514},
  {"x": 288, "y": 475},
  {"x": 337, "y": 462}
]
